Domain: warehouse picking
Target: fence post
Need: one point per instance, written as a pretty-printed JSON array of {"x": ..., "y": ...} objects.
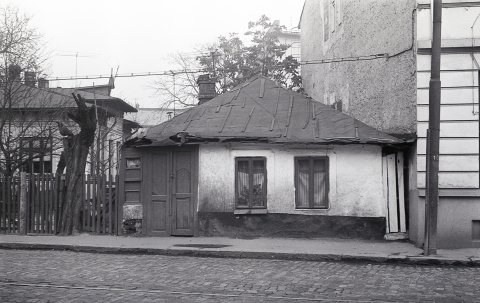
[{"x": 23, "y": 204}]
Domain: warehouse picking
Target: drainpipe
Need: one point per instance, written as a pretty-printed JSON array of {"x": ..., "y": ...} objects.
[{"x": 431, "y": 203}]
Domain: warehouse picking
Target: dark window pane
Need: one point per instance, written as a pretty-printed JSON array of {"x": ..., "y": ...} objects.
[
  {"x": 36, "y": 167},
  {"x": 258, "y": 166},
  {"x": 47, "y": 166},
  {"x": 258, "y": 198},
  {"x": 319, "y": 190},
  {"x": 242, "y": 166},
  {"x": 242, "y": 187},
  {"x": 302, "y": 189},
  {"x": 319, "y": 165},
  {"x": 304, "y": 165}
]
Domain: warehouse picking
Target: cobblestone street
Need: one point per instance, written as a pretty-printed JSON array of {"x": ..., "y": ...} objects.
[{"x": 53, "y": 276}]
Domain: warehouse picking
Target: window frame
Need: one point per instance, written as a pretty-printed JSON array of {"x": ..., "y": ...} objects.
[
  {"x": 326, "y": 21},
  {"x": 310, "y": 178},
  {"x": 250, "y": 182},
  {"x": 44, "y": 150}
]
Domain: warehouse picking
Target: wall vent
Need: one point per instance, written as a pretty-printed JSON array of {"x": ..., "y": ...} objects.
[{"x": 476, "y": 230}]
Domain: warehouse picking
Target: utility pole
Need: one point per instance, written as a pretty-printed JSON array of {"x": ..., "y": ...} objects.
[
  {"x": 213, "y": 63},
  {"x": 431, "y": 201}
]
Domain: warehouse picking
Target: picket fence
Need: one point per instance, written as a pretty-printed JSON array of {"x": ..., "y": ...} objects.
[{"x": 33, "y": 204}]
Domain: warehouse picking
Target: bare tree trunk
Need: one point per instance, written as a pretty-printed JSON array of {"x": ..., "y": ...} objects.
[{"x": 75, "y": 152}]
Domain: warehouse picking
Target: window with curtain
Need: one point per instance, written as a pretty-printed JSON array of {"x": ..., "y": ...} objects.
[
  {"x": 250, "y": 182},
  {"x": 311, "y": 182}
]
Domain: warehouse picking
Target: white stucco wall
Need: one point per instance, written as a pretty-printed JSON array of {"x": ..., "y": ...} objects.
[{"x": 355, "y": 177}]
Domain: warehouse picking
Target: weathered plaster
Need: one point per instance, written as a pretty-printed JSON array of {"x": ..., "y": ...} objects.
[
  {"x": 355, "y": 178},
  {"x": 455, "y": 215},
  {"x": 290, "y": 225},
  {"x": 379, "y": 92}
]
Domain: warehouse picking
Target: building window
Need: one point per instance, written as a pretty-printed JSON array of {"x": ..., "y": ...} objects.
[
  {"x": 36, "y": 153},
  {"x": 311, "y": 182},
  {"x": 326, "y": 22},
  {"x": 133, "y": 162},
  {"x": 338, "y": 13},
  {"x": 332, "y": 17},
  {"x": 250, "y": 182}
]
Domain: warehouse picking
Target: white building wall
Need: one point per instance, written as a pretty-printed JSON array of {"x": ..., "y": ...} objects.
[
  {"x": 459, "y": 201},
  {"x": 355, "y": 177},
  {"x": 459, "y": 126}
]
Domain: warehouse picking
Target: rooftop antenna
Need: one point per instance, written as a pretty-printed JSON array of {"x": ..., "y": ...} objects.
[
  {"x": 174, "y": 93},
  {"x": 76, "y": 55}
]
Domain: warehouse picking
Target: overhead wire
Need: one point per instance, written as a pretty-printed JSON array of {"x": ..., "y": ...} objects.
[{"x": 193, "y": 71}]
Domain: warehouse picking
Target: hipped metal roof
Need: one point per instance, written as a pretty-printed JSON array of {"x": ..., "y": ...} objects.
[
  {"x": 33, "y": 98},
  {"x": 262, "y": 110}
]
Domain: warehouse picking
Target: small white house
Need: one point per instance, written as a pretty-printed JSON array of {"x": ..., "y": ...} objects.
[{"x": 262, "y": 161}]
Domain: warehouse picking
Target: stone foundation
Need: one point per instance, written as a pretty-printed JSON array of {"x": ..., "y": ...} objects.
[
  {"x": 132, "y": 219},
  {"x": 290, "y": 225}
]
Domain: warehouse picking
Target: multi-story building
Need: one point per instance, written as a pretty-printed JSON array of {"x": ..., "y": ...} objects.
[{"x": 371, "y": 59}]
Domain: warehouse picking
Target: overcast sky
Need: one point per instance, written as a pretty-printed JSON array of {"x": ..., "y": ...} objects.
[{"x": 138, "y": 36}]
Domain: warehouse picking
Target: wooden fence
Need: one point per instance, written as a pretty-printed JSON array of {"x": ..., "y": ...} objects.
[
  {"x": 33, "y": 204},
  {"x": 10, "y": 203}
]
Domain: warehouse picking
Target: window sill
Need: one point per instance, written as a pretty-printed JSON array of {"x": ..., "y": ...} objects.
[
  {"x": 316, "y": 209},
  {"x": 454, "y": 192},
  {"x": 250, "y": 211}
]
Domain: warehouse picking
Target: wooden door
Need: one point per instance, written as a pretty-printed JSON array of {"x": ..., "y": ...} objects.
[
  {"x": 183, "y": 192},
  {"x": 158, "y": 210},
  {"x": 172, "y": 183},
  {"x": 393, "y": 186}
]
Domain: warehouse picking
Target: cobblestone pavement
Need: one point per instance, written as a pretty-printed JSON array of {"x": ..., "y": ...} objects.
[{"x": 54, "y": 276}]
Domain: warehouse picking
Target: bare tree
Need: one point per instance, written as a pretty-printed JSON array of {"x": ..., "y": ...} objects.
[
  {"x": 232, "y": 62},
  {"x": 179, "y": 87},
  {"x": 74, "y": 159}
]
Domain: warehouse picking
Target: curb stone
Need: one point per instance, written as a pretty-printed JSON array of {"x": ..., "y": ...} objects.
[{"x": 386, "y": 259}]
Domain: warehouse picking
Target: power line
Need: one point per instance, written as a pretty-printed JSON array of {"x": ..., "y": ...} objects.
[
  {"x": 194, "y": 71},
  {"x": 130, "y": 75}
]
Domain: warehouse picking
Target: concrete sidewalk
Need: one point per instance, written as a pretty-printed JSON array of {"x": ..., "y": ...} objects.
[{"x": 263, "y": 248}]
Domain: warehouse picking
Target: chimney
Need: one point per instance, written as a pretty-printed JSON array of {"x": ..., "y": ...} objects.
[
  {"x": 29, "y": 78},
  {"x": 14, "y": 71},
  {"x": 206, "y": 89},
  {"x": 43, "y": 83}
]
